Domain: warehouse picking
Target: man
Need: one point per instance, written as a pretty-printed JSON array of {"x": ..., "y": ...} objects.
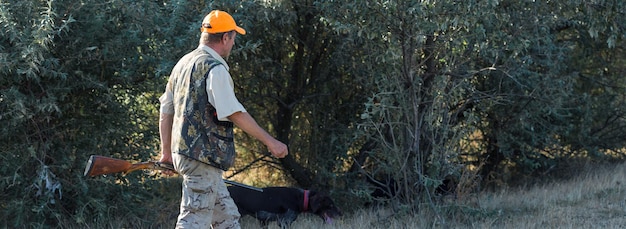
[{"x": 198, "y": 110}]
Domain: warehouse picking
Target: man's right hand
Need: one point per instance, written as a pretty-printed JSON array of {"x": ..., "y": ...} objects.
[
  {"x": 278, "y": 149},
  {"x": 245, "y": 122},
  {"x": 166, "y": 158}
]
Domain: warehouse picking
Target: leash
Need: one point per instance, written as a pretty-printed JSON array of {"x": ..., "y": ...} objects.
[{"x": 230, "y": 182}]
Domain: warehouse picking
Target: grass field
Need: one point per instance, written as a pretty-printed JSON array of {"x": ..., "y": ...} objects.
[{"x": 594, "y": 199}]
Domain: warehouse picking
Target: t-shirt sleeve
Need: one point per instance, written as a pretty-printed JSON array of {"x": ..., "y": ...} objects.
[
  {"x": 166, "y": 100},
  {"x": 221, "y": 92}
]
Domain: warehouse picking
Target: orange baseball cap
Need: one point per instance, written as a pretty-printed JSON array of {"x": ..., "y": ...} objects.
[{"x": 219, "y": 22}]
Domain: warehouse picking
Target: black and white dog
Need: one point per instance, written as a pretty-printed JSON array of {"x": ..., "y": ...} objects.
[{"x": 282, "y": 204}]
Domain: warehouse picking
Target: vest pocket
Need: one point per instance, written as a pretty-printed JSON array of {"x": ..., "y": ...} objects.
[
  {"x": 222, "y": 138},
  {"x": 223, "y": 150}
]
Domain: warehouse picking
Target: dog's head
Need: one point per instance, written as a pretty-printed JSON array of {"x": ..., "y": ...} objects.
[{"x": 323, "y": 206}]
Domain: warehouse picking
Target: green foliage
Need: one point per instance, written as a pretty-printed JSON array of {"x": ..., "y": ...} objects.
[
  {"x": 77, "y": 79},
  {"x": 422, "y": 86},
  {"x": 413, "y": 90},
  {"x": 294, "y": 75},
  {"x": 477, "y": 83},
  {"x": 531, "y": 123}
]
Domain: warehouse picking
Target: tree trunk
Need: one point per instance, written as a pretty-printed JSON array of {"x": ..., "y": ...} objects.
[{"x": 299, "y": 173}]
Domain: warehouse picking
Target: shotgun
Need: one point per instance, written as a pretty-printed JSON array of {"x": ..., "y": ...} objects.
[{"x": 100, "y": 165}]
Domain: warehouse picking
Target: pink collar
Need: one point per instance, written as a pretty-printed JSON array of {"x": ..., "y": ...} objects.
[{"x": 306, "y": 200}]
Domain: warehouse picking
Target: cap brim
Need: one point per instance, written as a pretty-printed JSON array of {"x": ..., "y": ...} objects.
[{"x": 240, "y": 30}]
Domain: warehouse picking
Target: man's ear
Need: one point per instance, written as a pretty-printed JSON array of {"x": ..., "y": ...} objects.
[
  {"x": 224, "y": 37},
  {"x": 228, "y": 35}
]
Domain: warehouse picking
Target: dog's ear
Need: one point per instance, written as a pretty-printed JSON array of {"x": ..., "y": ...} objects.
[
  {"x": 318, "y": 201},
  {"x": 314, "y": 201}
]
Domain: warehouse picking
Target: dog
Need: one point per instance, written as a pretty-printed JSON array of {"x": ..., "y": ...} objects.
[{"x": 282, "y": 204}]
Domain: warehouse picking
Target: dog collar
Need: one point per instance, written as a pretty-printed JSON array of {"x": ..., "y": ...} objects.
[{"x": 306, "y": 200}]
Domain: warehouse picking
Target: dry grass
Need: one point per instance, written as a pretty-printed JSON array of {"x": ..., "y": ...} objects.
[{"x": 595, "y": 199}]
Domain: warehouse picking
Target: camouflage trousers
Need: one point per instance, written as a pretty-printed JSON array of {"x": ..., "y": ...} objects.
[{"x": 206, "y": 202}]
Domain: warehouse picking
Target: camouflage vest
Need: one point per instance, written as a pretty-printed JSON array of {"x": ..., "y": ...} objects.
[{"x": 197, "y": 133}]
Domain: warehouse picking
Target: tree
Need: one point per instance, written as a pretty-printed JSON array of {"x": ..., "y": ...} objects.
[
  {"x": 465, "y": 82},
  {"x": 422, "y": 89},
  {"x": 77, "y": 79},
  {"x": 530, "y": 125},
  {"x": 293, "y": 75}
]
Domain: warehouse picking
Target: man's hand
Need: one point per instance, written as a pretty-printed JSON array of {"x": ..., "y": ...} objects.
[
  {"x": 166, "y": 158},
  {"x": 278, "y": 149},
  {"x": 245, "y": 122}
]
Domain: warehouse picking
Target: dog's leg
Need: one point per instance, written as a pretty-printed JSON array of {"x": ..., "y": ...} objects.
[
  {"x": 283, "y": 225},
  {"x": 285, "y": 220},
  {"x": 264, "y": 224}
]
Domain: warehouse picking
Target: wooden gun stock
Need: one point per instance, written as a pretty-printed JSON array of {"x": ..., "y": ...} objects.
[{"x": 100, "y": 165}]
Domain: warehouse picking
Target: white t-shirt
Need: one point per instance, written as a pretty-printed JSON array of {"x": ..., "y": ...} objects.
[{"x": 219, "y": 85}]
